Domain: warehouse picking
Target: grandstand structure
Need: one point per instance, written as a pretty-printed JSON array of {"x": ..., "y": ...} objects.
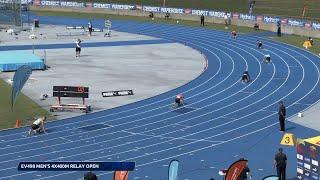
[{"x": 10, "y": 12}]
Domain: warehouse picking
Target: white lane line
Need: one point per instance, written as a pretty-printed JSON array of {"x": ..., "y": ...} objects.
[
  {"x": 172, "y": 138},
  {"x": 65, "y": 139}
]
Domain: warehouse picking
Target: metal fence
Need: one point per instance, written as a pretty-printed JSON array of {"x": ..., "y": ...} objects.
[{"x": 10, "y": 12}]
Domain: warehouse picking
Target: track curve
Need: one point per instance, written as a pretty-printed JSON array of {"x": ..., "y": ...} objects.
[{"x": 222, "y": 121}]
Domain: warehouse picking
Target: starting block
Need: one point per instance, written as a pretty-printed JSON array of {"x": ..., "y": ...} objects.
[{"x": 307, "y": 44}]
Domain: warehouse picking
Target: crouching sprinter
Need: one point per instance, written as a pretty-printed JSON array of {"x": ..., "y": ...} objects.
[
  {"x": 179, "y": 101},
  {"x": 245, "y": 77},
  {"x": 259, "y": 44},
  {"x": 37, "y": 126},
  {"x": 267, "y": 59}
]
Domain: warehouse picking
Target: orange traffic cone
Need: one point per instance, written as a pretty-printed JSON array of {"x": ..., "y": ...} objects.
[{"x": 18, "y": 124}]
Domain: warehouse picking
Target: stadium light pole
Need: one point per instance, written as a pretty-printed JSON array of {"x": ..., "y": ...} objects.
[{"x": 164, "y": 3}]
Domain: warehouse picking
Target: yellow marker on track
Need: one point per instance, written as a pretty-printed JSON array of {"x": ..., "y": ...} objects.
[{"x": 288, "y": 140}]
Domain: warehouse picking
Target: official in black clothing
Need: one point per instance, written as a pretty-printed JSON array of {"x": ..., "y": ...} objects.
[
  {"x": 282, "y": 116},
  {"x": 279, "y": 28},
  {"x": 280, "y": 161},
  {"x": 202, "y": 20}
]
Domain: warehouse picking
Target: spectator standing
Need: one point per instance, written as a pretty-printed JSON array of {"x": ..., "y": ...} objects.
[
  {"x": 280, "y": 161},
  {"x": 202, "y": 20},
  {"x": 282, "y": 116}
]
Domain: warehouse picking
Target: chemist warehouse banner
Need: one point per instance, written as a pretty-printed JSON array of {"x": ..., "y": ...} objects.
[{"x": 155, "y": 9}]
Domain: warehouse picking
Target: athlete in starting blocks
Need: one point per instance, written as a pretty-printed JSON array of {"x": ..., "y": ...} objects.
[
  {"x": 259, "y": 44},
  {"x": 179, "y": 101},
  {"x": 37, "y": 126},
  {"x": 245, "y": 77},
  {"x": 267, "y": 58}
]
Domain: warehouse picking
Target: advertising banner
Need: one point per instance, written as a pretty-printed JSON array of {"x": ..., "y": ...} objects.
[
  {"x": 151, "y": 9},
  {"x": 187, "y": 11},
  {"x": 50, "y": 3},
  {"x": 199, "y": 12},
  {"x": 284, "y": 21},
  {"x": 235, "y": 15},
  {"x": 293, "y": 22},
  {"x": 122, "y": 6},
  {"x": 102, "y": 5},
  {"x": 307, "y": 25},
  {"x": 172, "y": 10},
  {"x": 247, "y": 17},
  {"x": 268, "y": 19},
  {"x": 316, "y": 26},
  {"x": 71, "y": 4},
  {"x": 219, "y": 14},
  {"x": 259, "y": 18}
]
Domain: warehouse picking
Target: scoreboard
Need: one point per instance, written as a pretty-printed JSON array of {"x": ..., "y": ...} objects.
[{"x": 71, "y": 91}]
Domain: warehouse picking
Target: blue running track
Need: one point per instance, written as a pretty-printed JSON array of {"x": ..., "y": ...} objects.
[{"x": 223, "y": 120}]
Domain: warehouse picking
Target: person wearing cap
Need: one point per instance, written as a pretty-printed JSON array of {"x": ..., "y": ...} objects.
[
  {"x": 280, "y": 161},
  {"x": 37, "y": 126},
  {"x": 282, "y": 116},
  {"x": 179, "y": 101}
]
